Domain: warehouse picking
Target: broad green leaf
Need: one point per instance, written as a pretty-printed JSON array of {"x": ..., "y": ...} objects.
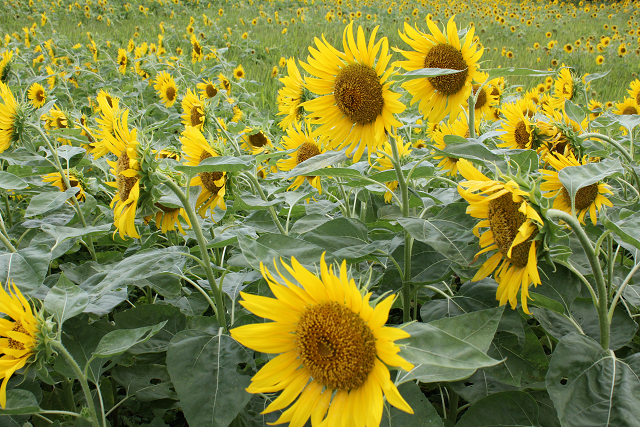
[
  {"x": 476, "y": 328},
  {"x": 204, "y": 372},
  {"x": 470, "y": 150},
  {"x": 472, "y": 296},
  {"x": 421, "y": 73},
  {"x": 623, "y": 326},
  {"x": 507, "y": 408},
  {"x": 630, "y": 121},
  {"x": 560, "y": 285},
  {"x": 65, "y": 300},
  {"x": 148, "y": 382},
  {"x": 590, "y": 386},
  {"x": 9, "y": 181},
  {"x": 424, "y": 415},
  {"x": 479, "y": 385},
  {"x": 591, "y": 77},
  {"x": 539, "y": 300},
  {"x": 339, "y": 173},
  {"x": 250, "y": 202},
  {"x": 525, "y": 160},
  {"x": 494, "y": 73},
  {"x": 20, "y": 402},
  {"x": 339, "y": 233},
  {"x": 118, "y": 341},
  {"x": 61, "y": 233},
  {"x": 270, "y": 247},
  {"x": 81, "y": 339},
  {"x": 27, "y": 268},
  {"x": 626, "y": 227},
  {"x": 573, "y": 178},
  {"x": 220, "y": 164},
  {"x": 315, "y": 163},
  {"x": 48, "y": 201}
]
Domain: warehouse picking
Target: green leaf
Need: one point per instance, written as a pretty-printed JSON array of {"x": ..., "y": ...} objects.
[
  {"x": 27, "y": 268},
  {"x": 61, "y": 233},
  {"x": 573, "y": 178},
  {"x": 204, "y": 372},
  {"x": 248, "y": 202},
  {"x": 338, "y": 234},
  {"x": 421, "y": 73},
  {"x": 507, "y": 408},
  {"x": 494, "y": 73},
  {"x": 48, "y": 201},
  {"x": 590, "y": 386},
  {"x": 65, "y": 300},
  {"x": 20, "y": 402},
  {"x": 148, "y": 382},
  {"x": 220, "y": 164},
  {"x": 118, "y": 341},
  {"x": 591, "y": 77},
  {"x": 270, "y": 247},
  {"x": 468, "y": 150},
  {"x": 80, "y": 339},
  {"x": 315, "y": 163},
  {"x": 623, "y": 326},
  {"x": 539, "y": 300},
  {"x": 424, "y": 415},
  {"x": 627, "y": 228},
  {"x": 9, "y": 181},
  {"x": 472, "y": 296},
  {"x": 525, "y": 160}
]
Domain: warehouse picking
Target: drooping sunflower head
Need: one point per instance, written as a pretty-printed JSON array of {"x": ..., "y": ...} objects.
[
  {"x": 56, "y": 119},
  {"x": 355, "y": 106},
  {"x": 332, "y": 343},
  {"x": 193, "y": 113},
  {"x": 627, "y": 107},
  {"x": 168, "y": 217},
  {"x": 207, "y": 89},
  {"x": 291, "y": 96},
  {"x": 12, "y": 118},
  {"x": 196, "y": 50},
  {"x": 441, "y": 95},
  {"x": 308, "y": 146},
  {"x": 37, "y": 95}
]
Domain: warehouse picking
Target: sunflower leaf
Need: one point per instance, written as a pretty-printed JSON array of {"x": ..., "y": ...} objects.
[
  {"x": 20, "y": 402},
  {"x": 516, "y": 409},
  {"x": 65, "y": 300},
  {"x": 495, "y": 73},
  {"x": 9, "y": 181},
  {"x": 48, "y": 201},
  {"x": 220, "y": 164},
  {"x": 573, "y": 178},
  {"x": 118, "y": 341},
  {"x": 425, "y": 73}
]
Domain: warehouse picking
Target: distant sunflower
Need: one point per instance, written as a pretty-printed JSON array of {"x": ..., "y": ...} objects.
[
  {"x": 225, "y": 83},
  {"x": 123, "y": 61},
  {"x": 196, "y": 149},
  {"x": 196, "y": 50},
  {"x": 5, "y": 65},
  {"x": 588, "y": 199},
  {"x": 513, "y": 225},
  {"x": 383, "y": 162},
  {"x": 37, "y": 95},
  {"x": 256, "y": 142},
  {"x": 627, "y": 107},
  {"x": 520, "y": 131},
  {"x": 8, "y": 118},
  {"x": 193, "y": 110},
  {"x": 207, "y": 89},
  {"x": 307, "y": 147},
  {"x": 334, "y": 348},
  {"x": 56, "y": 180},
  {"x": 596, "y": 108},
  {"x": 291, "y": 96},
  {"x": 441, "y": 95},
  {"x": 355, "y": 107},
  {"x": 238, "y": 72},
  {"x": 564, "y": 88},
  {"x": 487, "y": 96}
]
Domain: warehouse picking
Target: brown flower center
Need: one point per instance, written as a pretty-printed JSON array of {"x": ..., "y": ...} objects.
[
  {"x": 306, "y": 151},
  {"x": 17, "y": 345},
  {"x": 40, "y": 95},
  {"x": 638, "y": 98},
  {"x": 584, "y": 197},
  {"x": 358, "y": 93},
  {"x": 197, "y": 49},
  {"x": 482, "y": 97},
  {"x": 336, "y": 346},
  {"x": 209, "y": 178},
  {"x": 522, "y": 135},
  {"x": 505, "y": 219},
  {"x": 211, "y": 91},
  {"x": 170, "y": 93},
  {"x": 629, "y": 110},
  {"x": 197, "y": 115},
  {"x": 447, "y": 56},
  {"x": 125, "y": 183},
  {"x": 258, "y": 140}
]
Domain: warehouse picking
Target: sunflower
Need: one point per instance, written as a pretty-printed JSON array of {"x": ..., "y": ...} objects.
[
  {"x": 193, "y": 110},
  {"x": 109, "y": 109},
  {"x": 56, "y": 180},
  {"x": 520, "y": 132},
  {"x": 441, "y": 95},
  {"x": 291, "y": 96},
  {"x": 307, "y": 146},
  {"x": 488, "y": 96},
  {"x": 207, "y": 89},
  {"x": 196, "y": 50},
  {"x": 512, "y": 223},
  {"x": 627, "y": 107},
  {"x": 5, "y": 65},
  {"x": 123, "y": 60},
  {"x": 355, "y": 107},
  {"x": 596, "y": 108},
  {"x": 460, "y": 128},
  {"x": 634, "y": 90},
  {"x": 256, "y": 141},
  {"x": 196, "y": 148},
  {"x": 238, "y": 72},
  {"x": 563, "y": 88},
  {"x": 225, "y": 83},
  {"x": 19, "y": 331},
  {"x": 559, "y": 133},
  {"x": 52, "y": 77},
  {"x": 383, "y": 162},
  {"x": 124, "y": 143},
  {"x": 331, "y": 341},
  {"x": 168, "y": 217},
  {"x": 588, "y": 199},
  {"x": 55, "y": 119},
  {"x": 8, "y": 118},
  {"x": 37, "y": 95}
]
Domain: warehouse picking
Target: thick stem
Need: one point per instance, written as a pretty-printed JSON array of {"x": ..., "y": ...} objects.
[
  {"x": 7, "y": 243},
  {"x": 263, "y": 196},
  {"x": 454, "y": 400},
  {"x": 472, "y": 117},
  {"x": 81, "y": 378},
  {"x": 595, "y": 268},
  {"x": 204, "y": 253}
]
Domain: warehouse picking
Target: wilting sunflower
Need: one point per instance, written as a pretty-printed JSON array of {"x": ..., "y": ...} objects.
[
  {"x": 627, "y": 107},
  {"x": 196, "y": 149},
  {"x": 291, "y": 96},
  {"x": 512, "y": 223},
  {"x": 331, "y": 341},
  {"x": 355, "y": 107},
  {"x": 307, "y": 146},
  {"x": 238, "y": 72},
  {"x": 37, "y": 95},
  {"x": 193, "y": 110},
  {"x": 124, "y": 144},
  {"x": 56, "y": 180},
  {"x": 588, "y": 199},
  {"x": 8, "y": 118},
  {"x": 123, "y": 60},
  {"x": 18, "y": 335},
  {"x": 383, "y": 162},
  {"x": 168, "y": 217},
  {"x": 520, "y": 131},
  {"x": 256, "y": 141},
  {"x": 441, "y": 95},
  {"x": 460, "y": 128},
  {"x": 207, "y": 89}
]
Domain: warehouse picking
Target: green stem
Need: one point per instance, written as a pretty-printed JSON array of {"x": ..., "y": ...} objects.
[
  {"x": 595, "y": 268},
  {"x": 454, "y": 400},
  {"x": 624, "y": 284},
  {"x": 472, "y": 118},
  {"x": 263, "y": 196},
  {"x": 7, "y": 243},
  {"x": 195, "y": 223},
  {"x": 8, "y": 208},
  {"x": 67, "y": 184},
  {"x": 82, "y": 378}
]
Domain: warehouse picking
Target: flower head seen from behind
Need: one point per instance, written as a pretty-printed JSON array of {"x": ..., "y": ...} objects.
[
  {"x": 334, "y": 348},
  {"x": 17, "y": 335}
]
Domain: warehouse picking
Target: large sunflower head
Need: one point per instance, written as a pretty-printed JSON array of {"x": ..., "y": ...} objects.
[
  {"x": 291, "y": 96},
  {"x": 334, "y": 348},
  {"x": 355, "y": 106},
  {"x": 11, "y": 118},
  {"x": 441, "y": 95},
  {"x": 168, "y": 216},
  {"x": 37, "y": 95},
  {"x": 520, "y": 131},
  {"x": 588, "y": 199},
  {"x": 307, "y": 146},
  {"x": 56, "y": 119},
  {"x": 512, "y": 224},
  {"x": 193, "y": 110}
]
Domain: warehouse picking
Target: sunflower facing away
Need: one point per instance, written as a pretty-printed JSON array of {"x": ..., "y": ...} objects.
[
  {"x": 17, "y": 335},
  {"x": 56, "y": 180},
  {"x": 330, "y": 341},
  {"x": 441, "y": 95},
  {"x": 355, "y": 106},
  {"x": 307, "y": 146},
  {"x": 37, "y": 95},
  {"x": 588, "y": 199},
  {"x": 8, "y": 118},
  {"x": 196, "y": 149},
  {"x": 512, "y": 221}
]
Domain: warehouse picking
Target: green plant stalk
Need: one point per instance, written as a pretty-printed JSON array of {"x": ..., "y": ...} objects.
[
  {"x": 454, "y": 400},
  {"x": 472, "y": 113},
  {"x": 67, "y": 184},
  {"x": 603, "y": 298},
  {"x": 7, "y": 243},
  {"x": 195, "y": 224},
  {"x": 618, "y": 294},
  {"x": 81, "y": 377},
  {"x": 8, "y": 208},
  {"x": 263, "y": 196},
  {"x": 408, "y": 241}
]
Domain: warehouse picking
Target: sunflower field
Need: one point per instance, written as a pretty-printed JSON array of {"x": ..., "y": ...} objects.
[{"x": 329, "y": 213}]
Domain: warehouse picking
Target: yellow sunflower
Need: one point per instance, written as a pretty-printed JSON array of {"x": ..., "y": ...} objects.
[
  {"x": 512, "y": 223},
  {"x": 441, "y": 95},
  {"x": 56, "y": 180},
  {"x": 123, "y": 61},
  {"x": 460, "y": 128},
  {"x": 124, "y": 144},
  {"x": 225, "y": 83},
  {"x": 5, "y": 65},
  {"x": 383, "y": 162},
  {"x": 634, "y": 91},
  {"x": 256, "y": 141},
  {"x": 238, "y": 72},
  {"x": 563, "y": 88},
  {"x": 168, "y": 217},
  {"x": 196, "y": 50},
  {"x": 588, "y": 199},
  {"x": 8, "y": 118},
  {"x": 18, "y": 332},
  {"x": 559, "y": 132},
  {"x": 307, "y": 146},
  {"x": 487, "y": 97},
  {"x": 55, "y": 119},
  {"x": 334, "y": 349},
  {"x": 291, "y": 96},
  {"x": 207, "y": 89},
  {"x": 196, "y": 148},
  {"x": 520, "y": 131},
  {"x": 627, "y": 107},
  {"x": 193, "y": 110},
  {"x": 109, "y": 109},
  {"x": 596, "y": 108},
  {"x": 355, "y": 107},
  {"x": 37, "y": 95}
]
